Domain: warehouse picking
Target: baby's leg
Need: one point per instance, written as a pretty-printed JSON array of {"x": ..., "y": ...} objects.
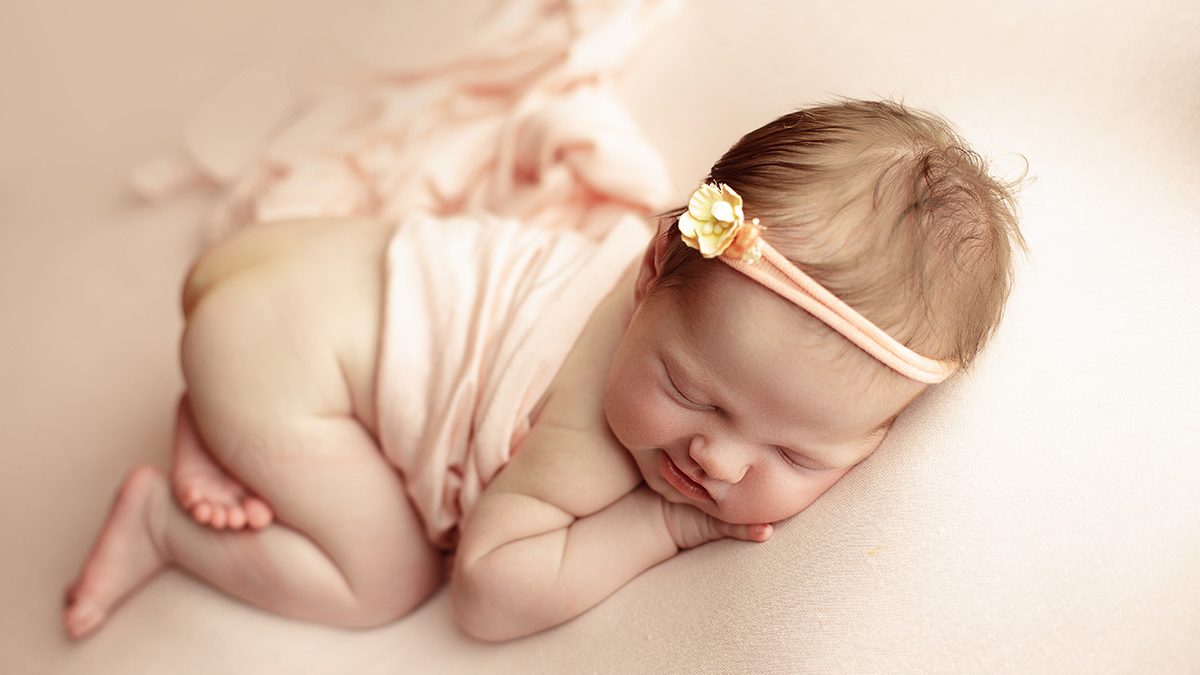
[
  {"x": 206, "y": 489},
  {"x": 347, "y": 550},
  {"x": 347, "y": 547}
]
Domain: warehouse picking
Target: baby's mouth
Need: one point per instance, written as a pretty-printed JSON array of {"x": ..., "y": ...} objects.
[{"x": 680, "y": 480}]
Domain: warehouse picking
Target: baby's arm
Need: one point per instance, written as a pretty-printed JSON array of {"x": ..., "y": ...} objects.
[{"x": 562, "y": 527}]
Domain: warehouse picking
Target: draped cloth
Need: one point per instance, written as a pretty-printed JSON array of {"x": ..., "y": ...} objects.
[
  {"x": 472, "y": 338},
  {"x": 504, "y": 107}
]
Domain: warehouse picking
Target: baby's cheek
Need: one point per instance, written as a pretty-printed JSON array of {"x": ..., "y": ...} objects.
[
  {"x": 769, "y": 501},
  {"x": 642, "y": 422},
  {"x": 629, "y": 405}
]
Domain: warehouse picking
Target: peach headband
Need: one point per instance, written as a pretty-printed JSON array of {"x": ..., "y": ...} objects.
[{"x": 714, "y": 225}]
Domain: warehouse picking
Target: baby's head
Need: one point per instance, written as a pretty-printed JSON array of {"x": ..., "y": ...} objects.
[{"x": 751, "y": 397}]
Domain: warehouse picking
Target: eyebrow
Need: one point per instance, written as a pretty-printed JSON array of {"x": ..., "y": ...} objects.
[{"x": 674, "y": 370}]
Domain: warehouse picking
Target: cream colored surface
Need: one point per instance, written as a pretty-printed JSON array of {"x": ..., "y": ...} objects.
[{"x": 1038, "y": 515}]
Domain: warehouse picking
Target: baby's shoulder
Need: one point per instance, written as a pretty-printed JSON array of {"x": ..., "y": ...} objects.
[
  {"x": 575, "y": 397},
  {"x": 570, "y": 458}
]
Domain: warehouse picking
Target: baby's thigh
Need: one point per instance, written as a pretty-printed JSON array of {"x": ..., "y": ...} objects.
[
  {"x": 289, "y": 311},
  {"x": 261, "y": 356},
  {"x": 270, "y": 401},
  {"x": 253, "y": 357}
]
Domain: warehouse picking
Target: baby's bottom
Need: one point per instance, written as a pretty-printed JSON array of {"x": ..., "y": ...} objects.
[{"x": 346, "y": 547}]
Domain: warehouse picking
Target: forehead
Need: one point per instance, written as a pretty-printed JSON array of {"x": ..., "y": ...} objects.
[{"x": 764, "y": 357}]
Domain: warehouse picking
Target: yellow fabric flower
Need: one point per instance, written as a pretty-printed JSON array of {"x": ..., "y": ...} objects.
[{"x": 714, "y": 219}]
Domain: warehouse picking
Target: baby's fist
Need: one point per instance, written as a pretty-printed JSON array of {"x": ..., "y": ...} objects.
[{"x": 691, "y": 527}]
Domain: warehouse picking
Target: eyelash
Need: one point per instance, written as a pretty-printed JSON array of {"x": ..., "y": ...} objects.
[
  {"x": 692, "y": 405},
  {"x": 689, "y": 402},
  {"x": 788, "y": 458}
]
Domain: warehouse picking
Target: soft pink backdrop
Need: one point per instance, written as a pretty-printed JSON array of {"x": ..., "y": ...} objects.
[{"x": 1039, "y": 516}]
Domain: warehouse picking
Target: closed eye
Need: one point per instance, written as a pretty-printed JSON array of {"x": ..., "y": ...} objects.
[
  {"x": 686, "y": 399},
  {"x": 680, "y": 393},
  {"x": 787, "y": 456}
]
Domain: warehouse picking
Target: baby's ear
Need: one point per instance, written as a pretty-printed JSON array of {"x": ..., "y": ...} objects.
[{"x": 656, "y": 250}]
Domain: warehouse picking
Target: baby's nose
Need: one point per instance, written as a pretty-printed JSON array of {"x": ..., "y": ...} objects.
[{"x": 723, "y": 461}]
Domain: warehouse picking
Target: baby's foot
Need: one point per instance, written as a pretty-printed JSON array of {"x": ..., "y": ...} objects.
[
  {"x": 123, "y": 557},
  {"x": 207, "y": 491}
]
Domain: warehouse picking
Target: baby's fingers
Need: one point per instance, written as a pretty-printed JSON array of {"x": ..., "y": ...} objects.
[{"x": 756, "y": 532}]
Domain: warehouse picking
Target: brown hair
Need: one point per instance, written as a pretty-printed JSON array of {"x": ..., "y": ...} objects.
[{"x": 886, "y": 207}]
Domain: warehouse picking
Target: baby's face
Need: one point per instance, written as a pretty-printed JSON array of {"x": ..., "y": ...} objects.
[{"x": 732, "y": 402}]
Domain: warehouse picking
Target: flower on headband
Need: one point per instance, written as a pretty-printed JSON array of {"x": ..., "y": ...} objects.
[{"x": 715, "y": 225}]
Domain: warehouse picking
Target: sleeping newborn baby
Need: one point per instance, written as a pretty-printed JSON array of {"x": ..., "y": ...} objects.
[{"x": 371, "y": 407}]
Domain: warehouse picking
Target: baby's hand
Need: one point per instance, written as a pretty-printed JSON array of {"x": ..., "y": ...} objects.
[{"x": 691, "y": 527}]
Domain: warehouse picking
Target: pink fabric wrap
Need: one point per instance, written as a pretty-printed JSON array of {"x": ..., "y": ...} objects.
[
  {"x": 503, "y": 107},
  {"x": 480, "y": 313}
]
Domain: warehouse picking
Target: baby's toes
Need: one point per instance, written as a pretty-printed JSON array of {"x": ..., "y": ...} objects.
[
  {"x": 186, "y": 491},
  {"x": 219, "y": 517},
  {"x": 202, "y": 513},
  {"x": 235, "y": 517},
  {"x": 192, "y": 495},
  {"x": 258, "y": 514}
]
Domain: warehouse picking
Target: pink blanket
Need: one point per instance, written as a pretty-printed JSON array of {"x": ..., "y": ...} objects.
[
  {"x": 480, "y": 313},
  {"x": 518, "y": 184},
  {"x": 504, "y": 107}
]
